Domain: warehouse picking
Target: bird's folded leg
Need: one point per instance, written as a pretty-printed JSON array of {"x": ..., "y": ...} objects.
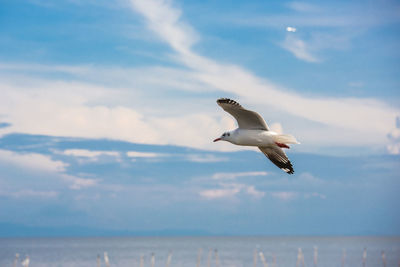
[{"x": 282, "y": 145}]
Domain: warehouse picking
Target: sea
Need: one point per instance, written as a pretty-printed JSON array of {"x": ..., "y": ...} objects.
[{"x": 202, "y": 251}]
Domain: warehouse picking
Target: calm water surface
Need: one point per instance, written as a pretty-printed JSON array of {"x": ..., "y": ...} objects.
[{"x": 232, "y": 251}]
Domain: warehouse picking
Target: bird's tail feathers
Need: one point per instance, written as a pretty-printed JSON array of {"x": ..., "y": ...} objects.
[{"x": 285, "y": 139}]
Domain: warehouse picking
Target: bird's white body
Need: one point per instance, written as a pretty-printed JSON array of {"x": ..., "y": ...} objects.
[{"x": 245, "y": 137}]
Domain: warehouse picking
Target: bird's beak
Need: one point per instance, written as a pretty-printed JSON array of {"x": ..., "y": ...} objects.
[{"x": 218, "y": 139}]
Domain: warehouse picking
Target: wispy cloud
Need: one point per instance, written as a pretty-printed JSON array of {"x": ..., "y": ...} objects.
[
  {"x": 309, "y": 46},
  {"x": 29, "y": 193},
  {"x": 77, "y": 183},
  {"x": 234, "y": 175},
  {"x": 326, "y": 15},
  {"x": 204, "y": 158},
  {"x": 165, "y": 19},
  {"x": 291, "y": 29},
  {"x": 50, "y": 4},
  {"x": 148, "y": 156},
  {"x": 230, "y": 190},
  {"x": 93, "y": 154},
  {"x": 33, "y": 161},
  {"x": 299, "y": 48},
  {"x": 394, "y": 137},
  {"x": 64, "y": 112},
  {"x": 345, "y": 21},
  {"x": 251, "y": 190},
  {"x": 284, "y": 195},
  {"x": 42, "y": 163},
  {"x": 137, "y": 154},
  {"x": 309, "y": 179},
  {"x": 67, "y": 107},
  {"x": 232, "y": 79},
  {"x": 228, "y": 187},
  {"x": 219, "y": 193},
  {"x": 292, "y": 195}
]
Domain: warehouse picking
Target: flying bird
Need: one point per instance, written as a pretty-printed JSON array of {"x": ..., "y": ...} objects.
[{"x": 253, "y": 131}]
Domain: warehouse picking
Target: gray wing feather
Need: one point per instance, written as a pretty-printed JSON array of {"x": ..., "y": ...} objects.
[
  {"x": 278, "y": 157},
  {"x": 246, "y": 119}
]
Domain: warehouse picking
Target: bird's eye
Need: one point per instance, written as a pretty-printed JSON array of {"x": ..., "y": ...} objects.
[
  {"x": 223, "y": 134},
  {"x": 228, "y": 134}
]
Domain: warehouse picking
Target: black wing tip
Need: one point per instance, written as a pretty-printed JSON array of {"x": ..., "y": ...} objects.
[
  {"x": 284, "y": 166},
  {"x": 290, "y": 171},
  {"x": 228, "y": 101}
]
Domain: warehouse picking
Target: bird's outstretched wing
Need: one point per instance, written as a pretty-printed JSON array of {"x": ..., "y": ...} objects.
[
  {"x": 246, "y": 119},
  {"x": 278, "y": 157}
]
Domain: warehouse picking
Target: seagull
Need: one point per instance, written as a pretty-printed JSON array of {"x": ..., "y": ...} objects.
[
  {"x": 253, "y": 131},
  {"x": 25, "y": 262}
]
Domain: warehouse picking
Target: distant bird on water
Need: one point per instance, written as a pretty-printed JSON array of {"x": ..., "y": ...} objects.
[
  {"x": 25, "y": 262},
  {"x": 253, "y": 131}
]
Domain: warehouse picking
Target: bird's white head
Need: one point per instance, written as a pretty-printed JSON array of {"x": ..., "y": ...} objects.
[{"x": 227, "y": 136}]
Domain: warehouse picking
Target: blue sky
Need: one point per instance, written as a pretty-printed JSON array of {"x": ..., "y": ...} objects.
[{"x": 108, "y": 113}]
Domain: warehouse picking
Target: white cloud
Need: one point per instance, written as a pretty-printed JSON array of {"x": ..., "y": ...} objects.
[
  {"x": 93, "y": 154},
  {"x": 292, "y": 195},
  {"x": 200, "y": 158},
  {"x": 291, "y": 29},
  {"x": 63, "y": 110},
  {"x": 285, "y": 196},
  {"x": 29, "y": 193},
  {"x": 124, "y": 105},
  {"x": 309, "y": 179},
  {"x": 33, "y": 161},
  {"x": 229, "y": 190},
  {"x": 346, "y": 21},
  {"x": 394, "y": 137},
  {"x": 352, "y": 115},
  {"x": 204, "y": 158},
  {"x": 41, "y": 163},
  {"x": 164, "y": 19},
  {"x": 251, "y": 190},
  {"x": 234, "y": 175},
  {"x": 102, "y": 3},
  {"x": 137, "y": 154},
  {"x": 77, "y": 183},
  {"x": 299, "y": 49},
  {"x": 219, "y": 193},
  {"x": 393, "y": 149},
  {"x": 317, "y": 41},
  {"x": 326, "y": 14}
]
